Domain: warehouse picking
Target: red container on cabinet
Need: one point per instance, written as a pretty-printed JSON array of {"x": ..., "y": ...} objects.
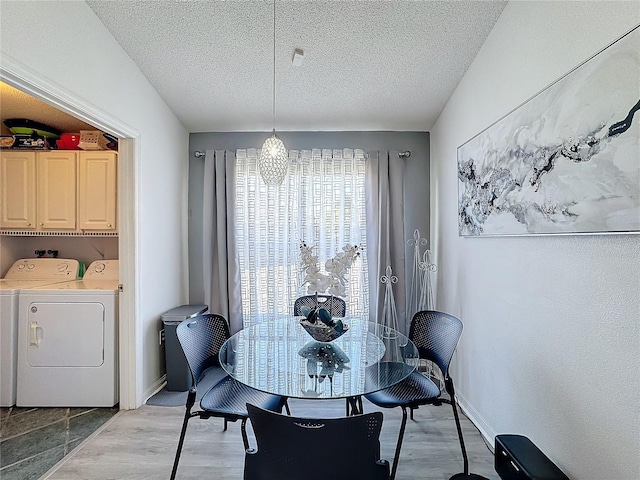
[{"x": 68, "y": 141}]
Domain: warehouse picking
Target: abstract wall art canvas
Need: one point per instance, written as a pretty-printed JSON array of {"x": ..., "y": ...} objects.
[{"x": 566, "y": 161}]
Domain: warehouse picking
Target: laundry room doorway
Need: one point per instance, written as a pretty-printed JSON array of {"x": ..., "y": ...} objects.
[{"x": 29, "y": 82}]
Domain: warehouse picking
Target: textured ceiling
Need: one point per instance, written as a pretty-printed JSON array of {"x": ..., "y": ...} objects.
[{"x": 368, "y": 65}]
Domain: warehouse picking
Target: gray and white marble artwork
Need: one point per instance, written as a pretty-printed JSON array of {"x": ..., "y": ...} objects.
[{"x": 566, "y": 161}]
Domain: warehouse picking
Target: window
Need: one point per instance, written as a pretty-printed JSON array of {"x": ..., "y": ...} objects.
[{"x": 321, "y": 202}]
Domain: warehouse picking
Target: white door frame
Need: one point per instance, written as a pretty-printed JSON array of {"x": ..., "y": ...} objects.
[{"x": 31, "y": 82}]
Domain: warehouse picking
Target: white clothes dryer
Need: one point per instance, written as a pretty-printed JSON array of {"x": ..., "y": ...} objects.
[
  {"x": 67, "y": 341},
  {"x": 24, "y": 274}
]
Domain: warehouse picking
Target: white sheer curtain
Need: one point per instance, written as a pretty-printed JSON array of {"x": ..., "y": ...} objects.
[
  {"x": 220, "y": 258},
  {"x": 385, "y": 231},
  {"x": 254, "y": 229},
  {"x": 321, "y": 202}
]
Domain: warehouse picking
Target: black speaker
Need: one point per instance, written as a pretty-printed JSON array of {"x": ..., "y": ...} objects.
[{"x": 517, "y": 458}]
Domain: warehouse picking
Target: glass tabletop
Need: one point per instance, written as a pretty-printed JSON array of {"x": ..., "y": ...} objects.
[{"x": 280, "y": 357}]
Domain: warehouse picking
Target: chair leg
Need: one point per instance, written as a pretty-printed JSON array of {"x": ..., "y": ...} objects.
[
  {"x": 180, "y": 443},
  {"x": 399, "y": 445},
  {"x": 452, "y": 394},
  {"x": 187, "y": 416},
  {"x": 243, "y": 429},
  {"x": 225, "y": 425}
]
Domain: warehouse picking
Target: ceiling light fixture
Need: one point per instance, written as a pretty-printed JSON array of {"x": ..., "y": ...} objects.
[{"x": 273, "y": 163}]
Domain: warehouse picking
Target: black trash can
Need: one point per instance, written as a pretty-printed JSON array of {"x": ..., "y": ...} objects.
[{"x": 178, "y": 374}]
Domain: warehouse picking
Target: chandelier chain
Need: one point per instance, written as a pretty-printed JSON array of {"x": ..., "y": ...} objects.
[
  {"x": 274, "y": 65},
  {"x": 274, "y": 162}
]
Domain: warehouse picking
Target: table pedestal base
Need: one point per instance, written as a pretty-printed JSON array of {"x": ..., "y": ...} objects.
[{"x": 354, "y": 406}]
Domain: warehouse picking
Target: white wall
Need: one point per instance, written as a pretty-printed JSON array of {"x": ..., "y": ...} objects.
[
  {"x": 65, "y": 44},
  {"x": 551, "y": 346}
]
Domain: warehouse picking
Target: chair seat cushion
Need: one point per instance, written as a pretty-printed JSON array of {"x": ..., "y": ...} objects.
[
  {"x": 416, "y": 389},
  {"x": 210, "y": 377},
  {"x": 229, "y": 397}
]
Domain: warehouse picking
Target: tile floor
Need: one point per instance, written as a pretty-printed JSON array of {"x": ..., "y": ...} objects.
[{"x": 32, "y": 440}]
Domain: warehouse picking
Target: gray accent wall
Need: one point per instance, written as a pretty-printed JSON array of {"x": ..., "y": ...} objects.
[{"x": 417, "y": 192}]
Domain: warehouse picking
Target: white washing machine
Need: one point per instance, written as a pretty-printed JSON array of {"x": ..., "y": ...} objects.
[
  {"x": 23, "y": 274},
  {"x": 67, "y": 341}
]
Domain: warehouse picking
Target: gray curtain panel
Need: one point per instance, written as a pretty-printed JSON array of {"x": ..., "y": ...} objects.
[
  {"x": 221, "y": 272},
  {"x": 385, "y": 231}
]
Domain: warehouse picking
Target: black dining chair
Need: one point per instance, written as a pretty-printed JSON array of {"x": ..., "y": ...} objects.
[
  {"x": 201, "y": 338},
  {"x": 436, "y": 335},
  {"x": 293, "y": 448},
  {"x": 336, "y": 306}
]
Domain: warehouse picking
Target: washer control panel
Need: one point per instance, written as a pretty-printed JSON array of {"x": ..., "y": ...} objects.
[
  {"x": 102, "y": 270},
  {"x": 44, "y": 269}
]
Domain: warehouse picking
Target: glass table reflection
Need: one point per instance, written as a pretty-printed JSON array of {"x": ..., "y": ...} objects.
[{"x": 280, "y": 357}]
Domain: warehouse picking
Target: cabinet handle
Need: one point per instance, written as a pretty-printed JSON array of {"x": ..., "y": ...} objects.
[
  {"x": 41, "y": 224},
  {"x": 28, "y": 224},
  {"x": 109, "y": 225}
]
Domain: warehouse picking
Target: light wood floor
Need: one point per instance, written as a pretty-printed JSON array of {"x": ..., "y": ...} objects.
[{"x": 141, "y": 444}]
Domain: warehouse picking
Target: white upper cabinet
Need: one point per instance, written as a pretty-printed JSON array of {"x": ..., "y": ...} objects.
[
  {"x": 56, "y": 179},
  {"x": 97, "y": 195},
  {"x": 59, "y": 190},
  {"x": 18, "y": 190}
]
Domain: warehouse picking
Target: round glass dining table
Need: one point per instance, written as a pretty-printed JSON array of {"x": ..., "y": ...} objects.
[{"x": 281, "y": 358}]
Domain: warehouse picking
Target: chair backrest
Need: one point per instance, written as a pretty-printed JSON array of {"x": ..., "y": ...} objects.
[
  {"x": 336, "y": 306},
  {"x": 201, "y": 338},
  {"x": 436, "y": 336},
  {"x": 315, "y": 448}
]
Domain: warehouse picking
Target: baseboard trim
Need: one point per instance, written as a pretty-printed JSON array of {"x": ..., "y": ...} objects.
[
  {"x": 481, "y": 424},
  {"x": 155, "y": 388}
]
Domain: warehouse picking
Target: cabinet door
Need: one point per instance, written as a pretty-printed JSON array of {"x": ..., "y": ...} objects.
[
  {"x": 56, "y": 190},
  {"x": 18, "y": 190},
  {"x": 97, "y": 191}
]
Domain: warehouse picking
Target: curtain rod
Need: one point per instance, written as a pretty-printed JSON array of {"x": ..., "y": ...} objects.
[{"x": 405, "y": 154}]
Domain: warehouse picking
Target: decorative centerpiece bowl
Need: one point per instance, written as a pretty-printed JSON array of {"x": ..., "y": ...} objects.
[
  {"x": 319, "y": 324},
  {"x": 321, "y": 332}
]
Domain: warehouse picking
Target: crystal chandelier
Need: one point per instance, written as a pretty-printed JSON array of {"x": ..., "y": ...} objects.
[{"x": 273, "y": 163}]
